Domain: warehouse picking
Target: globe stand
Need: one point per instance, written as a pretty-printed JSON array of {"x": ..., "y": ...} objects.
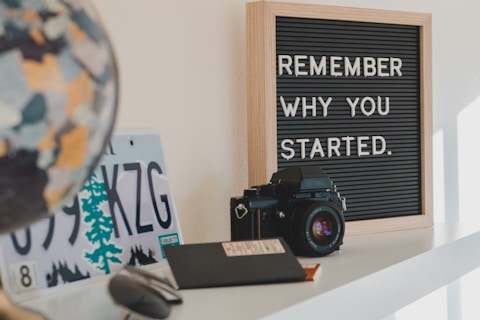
[{"x": 11, "y": 311}]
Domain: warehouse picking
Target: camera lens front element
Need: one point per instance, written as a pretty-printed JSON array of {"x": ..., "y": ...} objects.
[
  {"x": 317, "y": 229},
  {"x": 322, "y": 228}
]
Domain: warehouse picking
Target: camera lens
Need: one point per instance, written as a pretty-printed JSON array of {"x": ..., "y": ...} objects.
[
  {"x": 322, "y": 228},
  {"x": 317, "y": 229}
]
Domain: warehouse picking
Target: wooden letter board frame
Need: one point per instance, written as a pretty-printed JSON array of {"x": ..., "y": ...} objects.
[{"x": 263, "y": 99}]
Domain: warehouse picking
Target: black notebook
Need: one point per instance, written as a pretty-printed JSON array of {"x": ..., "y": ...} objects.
[{"x": 233, "y": 263}]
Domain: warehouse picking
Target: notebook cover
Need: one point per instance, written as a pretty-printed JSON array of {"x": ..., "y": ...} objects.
[{"x": 233, "y": 263}]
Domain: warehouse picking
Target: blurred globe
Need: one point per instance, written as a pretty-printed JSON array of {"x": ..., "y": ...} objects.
[{"x": 58, "y": 100}]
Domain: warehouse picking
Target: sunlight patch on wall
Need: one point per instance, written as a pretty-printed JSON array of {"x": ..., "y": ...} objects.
[{"x": 438, "y": 178}]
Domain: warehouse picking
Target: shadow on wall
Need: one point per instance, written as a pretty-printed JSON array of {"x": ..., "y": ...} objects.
[
  {"x": 468, "y": 165},
  {"x": 456, "y": 102},
  {"x": 455, "y": 140}
]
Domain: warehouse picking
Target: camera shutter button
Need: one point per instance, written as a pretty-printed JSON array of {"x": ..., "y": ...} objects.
[{"x": 281, "y": 214}]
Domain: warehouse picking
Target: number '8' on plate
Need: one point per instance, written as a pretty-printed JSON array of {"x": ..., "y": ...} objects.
[{"x": 24, "y": 276}]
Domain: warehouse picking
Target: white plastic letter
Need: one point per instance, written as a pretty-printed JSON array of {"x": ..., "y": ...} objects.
[
  {"x": 312, "y": 107},
  {"x": 395, "y": 66},
  {"x": 284, "y": 63},
  {"x": 317, "y": 148},
  {"x": 285, "y": 145},
  {"x": 302, "y": 146},
  {"x": 320, "y": 68},
  {"x": 334, "y": 65},
  {"x": 325, "y": 105},
  {"x": 297, "y": 64},
  {"x": 372, "y": 104},
  {"x": 369, "y": 68},
  {"x": 381, "y": 111},
  {"x": 361, "y": 145},
  {"x": 289, "y": 110},
  {"x": 383, "y": 145},
  {"x": 347, "y": 140},
  {"x": 352, "y": 70},
  {"x": 333, "y": 144},
  {"x": 353, "y": 105},
  {"x": 382, "y": 67}
]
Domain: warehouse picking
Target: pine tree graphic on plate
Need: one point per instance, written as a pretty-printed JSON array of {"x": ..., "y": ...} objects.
[{"x": 101, "y": 226}]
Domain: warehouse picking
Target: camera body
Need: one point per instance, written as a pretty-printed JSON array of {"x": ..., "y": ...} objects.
[{"x": 300, "y": 204}]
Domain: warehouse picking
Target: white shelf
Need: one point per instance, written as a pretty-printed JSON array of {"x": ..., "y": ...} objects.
[{"x": 372, "y": 277}]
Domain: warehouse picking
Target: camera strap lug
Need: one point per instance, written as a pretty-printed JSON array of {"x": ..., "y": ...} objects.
[
  {"x": 241, "y": 211},
  {"x": 344, "y": 203}
]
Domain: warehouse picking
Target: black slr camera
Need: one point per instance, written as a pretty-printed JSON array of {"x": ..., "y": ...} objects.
[{"x": 300, "y": 204}]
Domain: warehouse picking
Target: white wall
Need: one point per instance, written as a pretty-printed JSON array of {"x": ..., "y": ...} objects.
[{"x": 183, "y": 73}]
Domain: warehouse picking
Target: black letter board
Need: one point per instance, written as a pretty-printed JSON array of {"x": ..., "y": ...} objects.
[{"x": 348, "y": 90}]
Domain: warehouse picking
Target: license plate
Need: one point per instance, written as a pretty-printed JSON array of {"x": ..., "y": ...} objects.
[{"x": 124, "y": 214}]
